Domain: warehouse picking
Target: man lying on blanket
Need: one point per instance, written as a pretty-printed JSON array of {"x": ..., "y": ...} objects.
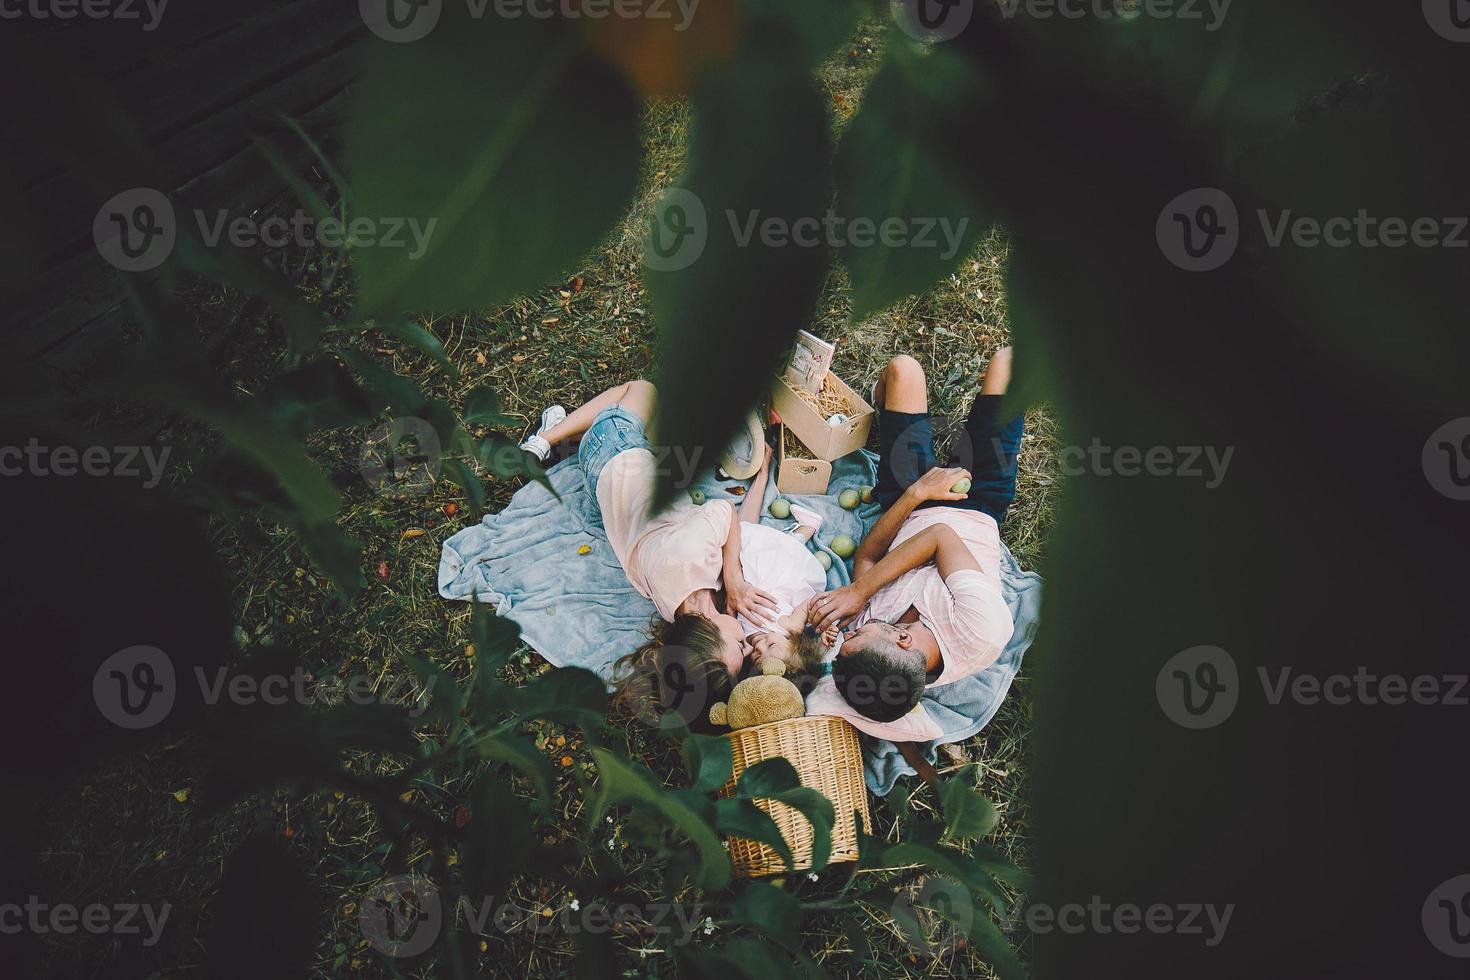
[{"x": 925, "y": 606}]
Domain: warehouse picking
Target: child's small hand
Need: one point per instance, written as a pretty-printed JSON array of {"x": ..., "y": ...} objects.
[{"x": 831, "y": 636}]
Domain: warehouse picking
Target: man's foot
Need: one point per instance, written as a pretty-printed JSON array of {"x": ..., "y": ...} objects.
[{"x": 535, "y": 444}]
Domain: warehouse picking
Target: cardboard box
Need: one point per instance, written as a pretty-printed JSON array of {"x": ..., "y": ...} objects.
[
  {"x": 825, "y": 441},
  {"x": 798, "y": 476}
]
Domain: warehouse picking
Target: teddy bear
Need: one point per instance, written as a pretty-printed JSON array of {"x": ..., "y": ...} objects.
[{"x": 760, "y": 699}]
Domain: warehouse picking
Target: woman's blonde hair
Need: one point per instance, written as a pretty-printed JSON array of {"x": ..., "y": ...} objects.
[{"x": 680, "y": 669}]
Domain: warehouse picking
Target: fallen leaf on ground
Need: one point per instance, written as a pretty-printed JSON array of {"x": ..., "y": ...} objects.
[{"x": 411, "y": 533}]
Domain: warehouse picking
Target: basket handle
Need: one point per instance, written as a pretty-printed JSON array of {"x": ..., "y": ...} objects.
[{"x": 912, "y": 755}]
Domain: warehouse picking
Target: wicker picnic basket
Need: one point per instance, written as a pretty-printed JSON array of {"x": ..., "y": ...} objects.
[{"x": 827, "y": 757}]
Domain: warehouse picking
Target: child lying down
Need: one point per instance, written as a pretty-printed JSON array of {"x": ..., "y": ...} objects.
[{"x": 779, "y": 577}]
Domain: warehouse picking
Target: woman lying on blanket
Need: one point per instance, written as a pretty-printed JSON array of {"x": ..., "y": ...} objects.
[{"x": 681, "y": 558}]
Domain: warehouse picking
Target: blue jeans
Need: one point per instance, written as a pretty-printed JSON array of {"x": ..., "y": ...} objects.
[
  {"x": 987, "y": 447},
  {"x": 615, "y": 430}
]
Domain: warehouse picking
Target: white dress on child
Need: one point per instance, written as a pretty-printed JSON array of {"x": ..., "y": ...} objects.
[{"x": 779, "y": 564}]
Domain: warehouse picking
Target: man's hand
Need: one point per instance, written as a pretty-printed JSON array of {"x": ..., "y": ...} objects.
[
  {"x": 744, "y": 599},
  {"x": 832, "y": 609},
  {"x": 935, "y": 484}
]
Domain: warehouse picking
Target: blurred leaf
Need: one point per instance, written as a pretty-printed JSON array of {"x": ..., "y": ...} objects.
[
  {"x": 709, "y": 760},
  {"x": 445, "y": 701},
  {"x": 570, "y": 695},
  {"x": 522, "y": 754},
  {"x": 742, "y": 818},
  {"x": 468, "y": 481},
  {"x": 895, "y": 170},
  {"x": 224, "y": 263},
  {"x": 337, "y": 553},
  {"x": 491, "y": 143},
  {"x": 758, "y": 159},
  {"x": 482, "y": 406},
  {"x": 264, "y": 915},
  {"x": 507, "y": 460},
  {"x": 318, "y": 395},
  {"x": 498, "y": 838},
  {"x": 776, "y": 779},
  {"x": 874, "y": 853},
  {"x": 966, "y": 812},
  {"x": 417, "y": 336},
  {"x": 596, "y": 955},
  {"x": 771, "y": 910},
  {"x": 819, "y": 25},
  {"x": 767, "y": 778},
  {"x": 622, "y": 783},
  {"x": 662, "y": 51},
  {"x": 393, "y": 391}
]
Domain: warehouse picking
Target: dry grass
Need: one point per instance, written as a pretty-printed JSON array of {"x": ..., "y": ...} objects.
[{"x": 561, "y": 344}]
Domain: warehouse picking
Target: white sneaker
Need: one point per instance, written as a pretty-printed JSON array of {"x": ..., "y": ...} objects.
[{"x": 535, "y": 444}]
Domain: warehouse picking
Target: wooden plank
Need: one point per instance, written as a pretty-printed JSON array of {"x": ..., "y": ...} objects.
[
  {"x": 69, "y": 206},
  {"x": 83, "y": 302}
]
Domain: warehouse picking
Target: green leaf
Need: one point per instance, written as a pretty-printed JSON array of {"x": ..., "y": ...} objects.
[
  {"x": 776, "y": 779},
  {"x": 727, "y": 306},
  {"x": 224, "y": 263},
  {"x": 337, "y": 553},
  {"x": 468, "y": 481},
  {"x": 320, "y": 394},
  {"x": 622, "y": 783},
  {"x": 742, "y": 818},
  {"x": 820, "y": 26},
  {"x": 265, "y": 908},
  {"x": 498, "y": 840},
  {"x": 571, "y": 695},
  {"x": 391, "y": 391},
  {"x": 518, "y": 145},
  {"x": 419, "y": 337},
  {"x": 442, "y": 693},
  {"x": 523, "y": 755},
  {"x": 507, "y": 460},
  {"x": 709, "y": 760},
  {"x": 771, "y": 910},
  {"x": 895, "y": 171},
  {"x": 874, "y": 853},
  {"x": 482, "y": 406},
  {"x": 966, "y": 812},
  {"x": 767, "y": 778}
]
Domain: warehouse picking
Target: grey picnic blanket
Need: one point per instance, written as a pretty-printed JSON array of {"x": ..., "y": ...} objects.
[{"x": 546, "y": 563}]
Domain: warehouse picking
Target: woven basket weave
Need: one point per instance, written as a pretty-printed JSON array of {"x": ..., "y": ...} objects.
[{"x": 826, "y": 755}]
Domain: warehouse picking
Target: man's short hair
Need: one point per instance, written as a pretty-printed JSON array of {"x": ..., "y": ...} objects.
[{"x": 880, "y": 679}]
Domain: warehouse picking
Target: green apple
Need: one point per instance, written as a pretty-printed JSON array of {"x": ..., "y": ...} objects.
[
  {"x": 781, "y": 508},
  {"x": 848, "y": 499},
  {"x": 824, "y": 559},
  {"x": 865, "y": 494},
  {"x": 844, "y": 546},
  {"x": 697, "y": 496},
  {"x": 962, "y": 487}
]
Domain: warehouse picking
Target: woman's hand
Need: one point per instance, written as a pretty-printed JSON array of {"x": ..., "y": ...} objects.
[
  {"x": 935, "y": 485},
  {"x": 744, "y": 599},
  {"x": 831, "y": 609}
]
